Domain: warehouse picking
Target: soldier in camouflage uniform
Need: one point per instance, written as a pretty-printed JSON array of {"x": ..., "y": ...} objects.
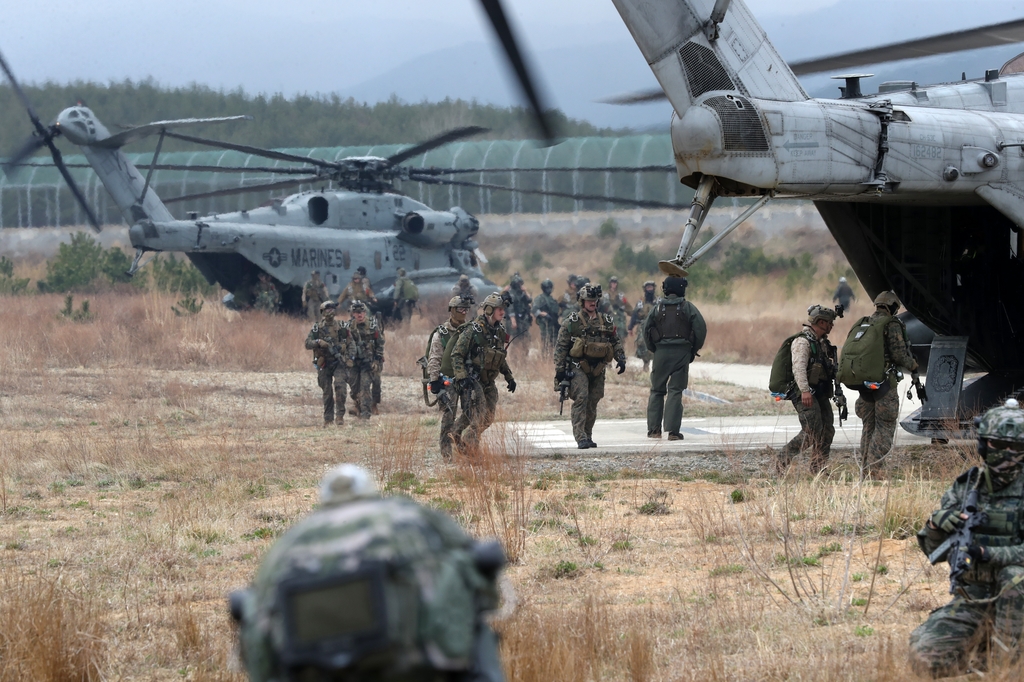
[
  {"x": 371, "y": 588},
  {"x": 675, "y": 331},
  {"x": 880, "y": 415},
  {"x": 356, "y": 290},
  {"x": 587, "y": 344},
  {"x": 519, "y": 318},
  {"x": 268, "y": 298},
  {"x": 447, "y": 396},
  {"x": 478, "y": 357},
  {"x": 329, "y": 342},
  {"x": 568, "y": 305},
  {"x": 614, "y": 303},
  {"x": 314, "y": 293},
  {"x": 366, "y": 349},
  {"x": 814, "y": 373},
  {"x": 465, "y": 289},
  {"x": 640, "y": 313},
  {"x": 404, "y": 289},
  {"x": 986, "y": 619},
  {"x": 545, "y": 310}
]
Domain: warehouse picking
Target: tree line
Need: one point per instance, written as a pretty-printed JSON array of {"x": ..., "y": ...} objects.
[{"x": 279, "y": 121}]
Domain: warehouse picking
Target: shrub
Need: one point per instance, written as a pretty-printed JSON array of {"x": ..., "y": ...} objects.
[
  {"x": 81, "y": 263},
  {"x": 608, "y": 229},
  {"x": 179, "y": 276},
  {"x": 9, "y": 284},
  {"x": 626, "y": 259}
]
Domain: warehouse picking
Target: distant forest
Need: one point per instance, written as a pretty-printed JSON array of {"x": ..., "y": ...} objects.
[{"x": 300, "y": 121}]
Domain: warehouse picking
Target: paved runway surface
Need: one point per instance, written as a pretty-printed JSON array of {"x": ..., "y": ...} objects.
[{"x": 704, "y": 434}]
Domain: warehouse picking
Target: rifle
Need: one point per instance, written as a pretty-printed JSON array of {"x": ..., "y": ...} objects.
[
  {"x": 563, "y": 390},
  {"x": 922, "y": 393},
  {"x": 960, "y": 542},
  {"x": 840, "y": 400}
]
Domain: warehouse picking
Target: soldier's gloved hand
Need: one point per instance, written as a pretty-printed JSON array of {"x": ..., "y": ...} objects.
[
  {"x": 947, "y": 520},
  {"x": 621, "y": 363},
  {"x": 511, "y": 385},
  {"x": 436, "y": 385},
  {"x": 559, "y": 376},
  {"x": 977, "y": 553},
  {"x": 375, "y": 366}
]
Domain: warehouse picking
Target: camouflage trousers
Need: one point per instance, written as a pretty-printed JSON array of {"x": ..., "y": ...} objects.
[
  {"x": 360, "y": 380},
  {"x": 313, "y": 310},
  {"x": 642, "y": 352},
  {"x": 586, "y": 391},
  {"x": 954, "y": 634},
  {"x": 478, "y": 407},
  {"x": 817, "y": 432},
  {"x": 375, "y": 381},
  {"x": 447, "y": 411},
  {"x": 669, "y": 378},
  {"x": 331, "y": 379},
  {"x": 879, "y": 419}
]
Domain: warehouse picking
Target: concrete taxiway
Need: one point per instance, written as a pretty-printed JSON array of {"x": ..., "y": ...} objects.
[{"x": 747, "y": 434}]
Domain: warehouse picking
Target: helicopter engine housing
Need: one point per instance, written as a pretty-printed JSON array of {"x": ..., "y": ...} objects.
[{"x": 428, "y": 228}]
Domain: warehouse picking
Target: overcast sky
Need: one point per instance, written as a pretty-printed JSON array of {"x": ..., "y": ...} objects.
[{"x": 333, "y": 45}]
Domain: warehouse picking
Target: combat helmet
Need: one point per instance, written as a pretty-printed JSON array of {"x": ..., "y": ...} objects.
[
  {"x": 401, "y": 272},
  {"x": 335, "y": 595},
  {"x": 460, "y": 302},
  {"x": 517, "y": 281},
  {"x": 1001, "y": 442},
  {"x": 547, "y": 286},
  {"x": 327, "y": 305},
  {"x": 674, "y": 285},
  {"x": 887, "y": 299},
  {"x": 820, "y": 312},
  {"x": 463, "y": 279},
  {"x": 358, "y": 307},
  {"x": 589, "y": 292},
  {"x": 491, "y": 302}
]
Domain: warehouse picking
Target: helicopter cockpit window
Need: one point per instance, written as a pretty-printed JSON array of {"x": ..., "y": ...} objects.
[
  {"x": 318, "y": 208},
  {"x": 900, "y": 116}
]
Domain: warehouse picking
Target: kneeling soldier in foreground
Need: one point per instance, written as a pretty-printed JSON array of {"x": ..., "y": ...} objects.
[
  {"x": 371, "y": 588},
  {"x": 587, "y": 343},
  {"x": 978, "y": 531}
]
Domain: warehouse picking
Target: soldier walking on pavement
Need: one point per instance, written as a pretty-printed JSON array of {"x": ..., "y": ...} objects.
[
  {"x": 478, "y": 357},
  {"x": 545, "y": 310},
  {"x": 314, "y": 293},
  {"x": 640, "y": 313},
  {"x": 844, "y": 294},
  {"x": 329, "y": 342},
  {"x": 675, "y": 331},
  {"x": 447, "y": 396},
  {"x": 814, "y": 373},
  {"x": 587, "y": 344},
  {"x": 983, "y": 625},
  {"x": 880, "y": 413},
  {"x": 366, "y": 348}
]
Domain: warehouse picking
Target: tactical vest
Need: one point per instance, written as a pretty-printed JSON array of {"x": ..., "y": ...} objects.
[
  {"x": 333, "y": 335},
  {"x": 671, "y": 321},
  {"x": 1003, "y": 528},
  {"x": 593, "y": 345},
  {"x": 363, "y": 341},
  {"x": 447, "y": 368}
]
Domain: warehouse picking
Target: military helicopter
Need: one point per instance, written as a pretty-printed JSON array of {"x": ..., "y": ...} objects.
[
  {"x": 357, "y": 217},
  {"x": 922, "y": 187}
]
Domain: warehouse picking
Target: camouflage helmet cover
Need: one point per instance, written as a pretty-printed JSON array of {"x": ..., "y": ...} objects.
[
  {"x": 493, "y": 301},
  {"x": 649, "y": 283},
  {"x": 589, "y": 292},
  {"x": 613, "y": 278},
  {"x": 463, "y": 278},
  {"x": 460, "y": 302},
  {"x": 820, "y": 312},
  {"x": 1005, "y": 423},
  {"x": 328, "y": 305},
  {"x": 401, "y": 272},
  {"x": 358, "y": 307},
  {"x": 346, "y": 483},
  {"x": 887, "y": 299}
]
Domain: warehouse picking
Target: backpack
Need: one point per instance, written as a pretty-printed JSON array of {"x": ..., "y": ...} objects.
[
  {"x": 394, "y": 588},
  {"x": 410, "y": 292},
  {"x": 782, "y": 381},
  {"x": 447, "y": 368},
  {"x": 863, "y": 358}
]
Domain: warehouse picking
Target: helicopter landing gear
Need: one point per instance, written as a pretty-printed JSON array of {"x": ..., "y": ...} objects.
[{"x": 702, "y": 200}]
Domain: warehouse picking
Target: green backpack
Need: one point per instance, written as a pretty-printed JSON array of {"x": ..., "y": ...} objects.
[
  {"x": 782, "y": 381},
  {"x": 863, "y": 357}
]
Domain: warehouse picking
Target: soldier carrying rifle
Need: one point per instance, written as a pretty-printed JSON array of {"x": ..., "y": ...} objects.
[{"x": 329, "y": 342}]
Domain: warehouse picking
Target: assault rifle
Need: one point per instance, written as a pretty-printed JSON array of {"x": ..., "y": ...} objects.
[
  {"x": 922, "y": 393},
  {"x": 840, "y": 400},
  {"x": 959, "y": 543},
  {"x": 563, "y": 390}
]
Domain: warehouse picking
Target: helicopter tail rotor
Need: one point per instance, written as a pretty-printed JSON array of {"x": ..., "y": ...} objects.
[{"x": 43, "y": 137}]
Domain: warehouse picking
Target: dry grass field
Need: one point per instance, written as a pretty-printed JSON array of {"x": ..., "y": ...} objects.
[{"x": 148, "y": 460}]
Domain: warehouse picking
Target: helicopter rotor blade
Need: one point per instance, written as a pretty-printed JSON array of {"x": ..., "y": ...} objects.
[
  {"x": 434, "y": 143},
  {"x": 36, "y": 123},
  {"x": 282, "y": 170},
  {"x": 284, "y": 184},
  {"x": 640, "y": 97},
  {"x": 638, "y": 203},
  {"x": 30, "y": 147},
  {"x": 58, "y": 161},
  {"x": 984, "y": 36},
  {"x": 499, "y": 21},
  {"x": 255, "y": 151},
  {"x": 602, "y": 169}
]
